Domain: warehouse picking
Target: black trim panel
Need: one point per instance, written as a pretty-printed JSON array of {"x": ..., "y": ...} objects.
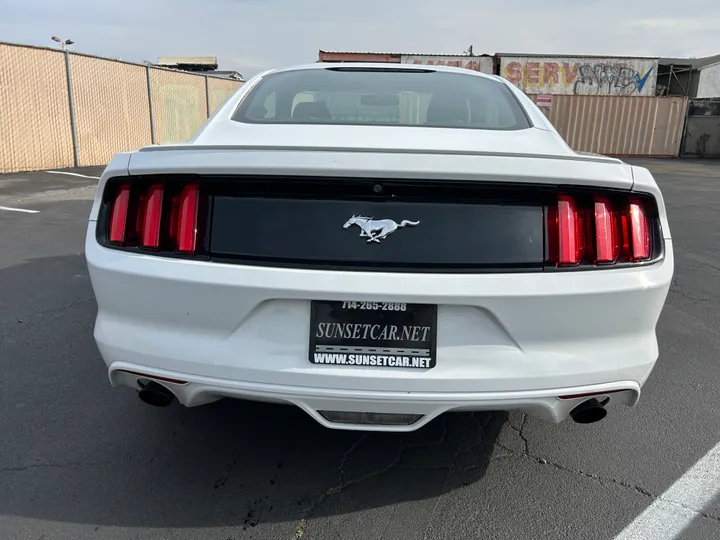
[{"x": 507, "y": 211}]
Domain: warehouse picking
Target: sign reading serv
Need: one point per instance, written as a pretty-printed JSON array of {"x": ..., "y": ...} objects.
[
  {"x": 582, "y": 76},
  {"x": 483, "y": 64}
]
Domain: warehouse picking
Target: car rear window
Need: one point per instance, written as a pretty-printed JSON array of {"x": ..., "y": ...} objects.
[{"x": 384, "y": 97}]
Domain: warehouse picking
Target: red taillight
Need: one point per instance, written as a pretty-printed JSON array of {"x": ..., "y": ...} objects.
[
  {"x": 607, "y": 239},
  {"x": 140, "y": 217},
  {"x": 571, "y": 235},
  {"x": 600, "y": 229},
  {"x": 625, "y": 235},
  {"x": 640, "y": 232},
  {"x": 119, "y": 214},
  {"x": 185, "y": 218},
  {"x": 151, "y": 212}
]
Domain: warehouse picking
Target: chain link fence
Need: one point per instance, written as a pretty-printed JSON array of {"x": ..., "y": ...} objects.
[{"x": 63, "y": 109}]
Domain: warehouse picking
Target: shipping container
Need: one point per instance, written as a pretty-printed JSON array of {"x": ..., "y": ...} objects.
[{"x": 618, "y": 126}]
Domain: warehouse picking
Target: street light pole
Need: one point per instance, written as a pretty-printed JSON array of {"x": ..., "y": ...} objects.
[{"x": 62, "y": 43}]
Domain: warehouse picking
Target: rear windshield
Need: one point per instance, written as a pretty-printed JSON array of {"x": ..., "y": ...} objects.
[{"x": 384, "y": 97}]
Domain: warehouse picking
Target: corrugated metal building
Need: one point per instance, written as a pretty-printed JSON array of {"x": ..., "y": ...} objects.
[
  {"x": 681, "y": 76},
  {"x": 333, "y": 56},
  {"x": 709, "y": 83},
  {"x": 483, "y": 62}
]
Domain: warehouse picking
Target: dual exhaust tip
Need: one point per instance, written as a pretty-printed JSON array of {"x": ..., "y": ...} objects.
[
  {"x": 155, "y": 394},
  {"x": 588, "y": 412}
]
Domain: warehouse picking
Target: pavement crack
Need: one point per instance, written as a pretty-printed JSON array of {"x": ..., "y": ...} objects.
[
  {"x": 366, "y": 477},
  {"x": 347, "y": 454},
  {"x": 47, "y": 312},
  {"x": 542, "y": 461},
  {"x": 521, "y": 434},
  {"x": 395, "y": 462},
  {"x": 593, "y": 476},
  {"x": 343, "y": 484}
]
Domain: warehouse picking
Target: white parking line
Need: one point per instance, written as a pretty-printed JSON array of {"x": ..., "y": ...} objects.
[
  {"x": 73, "y": 174},
  {"x": 19, "y": 210},
  {"x": 674, "y": 510}
]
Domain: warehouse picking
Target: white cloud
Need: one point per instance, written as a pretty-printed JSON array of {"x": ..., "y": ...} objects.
[{"x": 253, "y": 35}]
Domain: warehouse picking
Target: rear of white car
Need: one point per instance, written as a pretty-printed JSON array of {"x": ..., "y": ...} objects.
[{"x": 378, "y": 276}]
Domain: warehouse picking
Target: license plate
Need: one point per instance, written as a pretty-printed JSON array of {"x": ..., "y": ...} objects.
[{"x": 373, "y": 334}]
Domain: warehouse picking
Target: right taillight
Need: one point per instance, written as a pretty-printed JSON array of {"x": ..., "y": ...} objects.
[
  {"x": 607, "y": 239},
  {"x": 590, "y": 230},
  {"x": 186, "y": 219},
  {"x": 155, "y": 224},
  {"x": 639, "y": 232}
]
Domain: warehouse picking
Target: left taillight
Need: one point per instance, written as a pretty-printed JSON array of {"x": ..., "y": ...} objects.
[
  {"x": 117, "y": 228},
  {"x": 158, "y": 217}
]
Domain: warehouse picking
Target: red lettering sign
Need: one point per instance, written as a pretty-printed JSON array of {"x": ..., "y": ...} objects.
[
  {"x": 532, "y": 72},
  {"x": 549, "y": 73},
  {"x": 569, "y": 73},
  {"x": 513, "y": 72}
]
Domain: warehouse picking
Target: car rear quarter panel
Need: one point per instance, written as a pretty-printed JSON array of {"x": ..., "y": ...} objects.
[{"x": 644, "y": 182}]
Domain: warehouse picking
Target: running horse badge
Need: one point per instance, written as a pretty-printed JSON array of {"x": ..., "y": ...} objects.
[{"x": 377, "y": 229}]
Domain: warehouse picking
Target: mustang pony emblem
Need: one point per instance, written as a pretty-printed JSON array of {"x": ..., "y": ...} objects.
[{"x": 377, "y": 229}]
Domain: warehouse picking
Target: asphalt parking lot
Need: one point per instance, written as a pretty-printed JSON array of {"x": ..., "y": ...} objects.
[{"x": 79, "y": 459}]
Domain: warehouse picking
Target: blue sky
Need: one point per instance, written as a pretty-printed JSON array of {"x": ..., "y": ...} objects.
[{"x": 253, "y": 35}]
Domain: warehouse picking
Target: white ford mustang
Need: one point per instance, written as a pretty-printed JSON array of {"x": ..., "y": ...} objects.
[{"x": 378, "y": 245}]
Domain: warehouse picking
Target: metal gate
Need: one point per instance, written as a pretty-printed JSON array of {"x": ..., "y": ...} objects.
[{"x": 702, "y": 130}]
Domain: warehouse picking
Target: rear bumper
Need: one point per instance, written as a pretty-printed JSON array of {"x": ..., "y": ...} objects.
[
  {"x": 504, "y": 340},
  {"x": 544, "y": 404}
]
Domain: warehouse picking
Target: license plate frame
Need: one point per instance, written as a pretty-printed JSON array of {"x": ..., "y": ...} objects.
[{"x": 364, "y": 335}]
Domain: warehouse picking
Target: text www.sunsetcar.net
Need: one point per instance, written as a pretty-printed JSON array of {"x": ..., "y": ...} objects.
[{"x": 371, "y": 360}]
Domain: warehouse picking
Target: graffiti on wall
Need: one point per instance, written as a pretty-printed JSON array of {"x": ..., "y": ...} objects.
[
  {"x": 582, "y": 76},
  {"x": 483, "y": 64}
]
